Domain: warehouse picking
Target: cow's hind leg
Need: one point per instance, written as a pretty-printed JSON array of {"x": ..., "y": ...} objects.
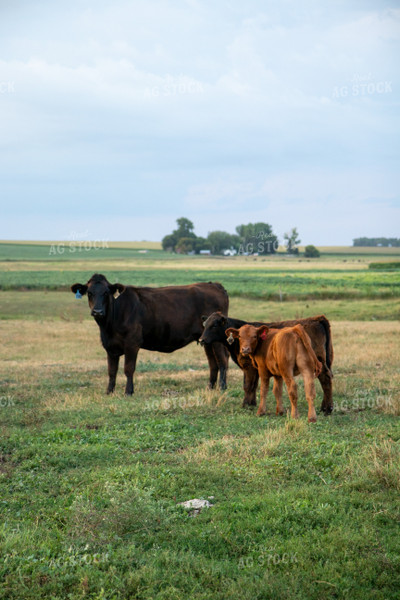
[
  {"x": 129, "y": 369},
  {"x": 112, "y": 361},
  {"x": 325, "y": 379}
]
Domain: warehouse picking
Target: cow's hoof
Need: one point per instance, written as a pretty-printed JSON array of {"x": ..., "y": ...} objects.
[
  {"x": 327, "y": 410},
  {"x": 280, "y": 413},
  {"x": 261, "y": 413},
  {"x": 312, "y": 420}
]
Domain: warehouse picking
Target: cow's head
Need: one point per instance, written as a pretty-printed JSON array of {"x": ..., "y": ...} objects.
[
  {"x": 100, "y": 293},
  {"x": 248, "y": 336},
  {"x": 214, "y": 328}
]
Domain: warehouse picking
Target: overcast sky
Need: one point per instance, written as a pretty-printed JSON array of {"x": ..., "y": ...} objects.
[{"x": 116, "y": 118}]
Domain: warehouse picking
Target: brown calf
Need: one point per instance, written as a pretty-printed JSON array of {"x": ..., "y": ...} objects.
[{"x": 281, "y": 354}]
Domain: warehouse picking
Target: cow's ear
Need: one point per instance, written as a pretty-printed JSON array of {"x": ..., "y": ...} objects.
[
  {"x": 116, "y": 287},
  {"x": 79, "y": 288},
  {"x": 231, "y": 334},
  {"x": 204, "y": 319},
  {"x": 262, "y": 332}
]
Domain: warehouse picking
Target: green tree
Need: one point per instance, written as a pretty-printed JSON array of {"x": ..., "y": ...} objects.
[
  {"x": 185, "y": 228},
  {"x": 221, "y": 240},
  {"x": 292, "y": 240},
  {"x": 311, "y": 251},
  {"x": 201, "y": 243},
  {"x": 185, "y": 245},
  {"x": 169, "y": 242}
]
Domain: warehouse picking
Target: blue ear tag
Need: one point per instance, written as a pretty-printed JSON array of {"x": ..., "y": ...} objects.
[{"x": 78, "y": 295}]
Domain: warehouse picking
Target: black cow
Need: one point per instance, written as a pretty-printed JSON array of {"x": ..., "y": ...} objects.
[
  {"x": 318, "y": 328},
  {"x": 162, "y": 319}
]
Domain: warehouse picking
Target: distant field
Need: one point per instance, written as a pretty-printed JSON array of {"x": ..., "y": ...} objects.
[{"x": 277, "y": 278}]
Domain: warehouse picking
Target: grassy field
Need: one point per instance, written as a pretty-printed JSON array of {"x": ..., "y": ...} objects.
[{"x": 91, "y": 484}]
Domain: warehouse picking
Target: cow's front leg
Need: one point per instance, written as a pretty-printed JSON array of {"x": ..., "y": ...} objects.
[
  {"x": 129, "y": 369},
  {"x": 112, "y": 361}
]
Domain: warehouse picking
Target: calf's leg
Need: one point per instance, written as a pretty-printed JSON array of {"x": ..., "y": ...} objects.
[
  {"x": 250, "y": 383},
  {"x": 212, "y": 363},
  {"x": 112, "y": 361},
  {"x": 221, "y": 355},
  {"x": 262, "y": 410},
  {"x": 277, "y": 390},
  {"x": 293, "y": 394},
  {"x": 309, "y": 388}
]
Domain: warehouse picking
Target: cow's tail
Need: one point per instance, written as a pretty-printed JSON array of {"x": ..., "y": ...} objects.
[
  {"x": 328, "y": 341},
  {"x": 309, "y": 349}
]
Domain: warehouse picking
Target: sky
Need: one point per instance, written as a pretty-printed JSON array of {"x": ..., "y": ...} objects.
[{"x": 117, "y": 118}]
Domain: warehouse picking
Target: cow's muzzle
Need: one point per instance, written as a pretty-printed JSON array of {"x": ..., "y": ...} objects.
[
  {"x": 245, "y": 351},
  {"x": 99, "y": 313}
]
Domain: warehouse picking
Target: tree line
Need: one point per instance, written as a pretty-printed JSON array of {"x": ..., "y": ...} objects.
[
  {"x": 381, "y": 241},
  {"x": 253, "y": 238}
]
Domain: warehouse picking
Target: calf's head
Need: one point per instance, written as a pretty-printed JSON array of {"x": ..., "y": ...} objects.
[
  {"x": 99, "y": 292},
  {"x": 248, "y": 336},
  {"x": 214, "y": 328}
]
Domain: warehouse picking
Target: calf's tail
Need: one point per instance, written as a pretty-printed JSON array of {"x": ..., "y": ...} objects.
[{"x": 309, "y": 349}]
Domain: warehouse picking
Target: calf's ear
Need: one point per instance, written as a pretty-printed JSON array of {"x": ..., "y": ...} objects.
[
  {"x": 79, "y": 287},
  {"x": 262, "y": 332},
  {"x": 203, "y": 319},
  {"x": 116, "y": 287},
  {"x": 231, "y": 334}
]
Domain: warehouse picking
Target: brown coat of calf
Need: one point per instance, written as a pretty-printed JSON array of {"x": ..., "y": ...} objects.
[{"x": 281, "y": 354}]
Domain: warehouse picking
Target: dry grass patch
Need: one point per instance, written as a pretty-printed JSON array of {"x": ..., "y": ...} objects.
[
  {"x": 378, "y": 464},
  {"x": 247, "y": 449}
]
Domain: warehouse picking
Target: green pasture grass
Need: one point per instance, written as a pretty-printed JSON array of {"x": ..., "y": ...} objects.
[
  {"x": 267, "y": 284},
  {"x": 91, "y": 484},
  {"x": 384, "y": 265},
  {"x": 50, "y": 305}
]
